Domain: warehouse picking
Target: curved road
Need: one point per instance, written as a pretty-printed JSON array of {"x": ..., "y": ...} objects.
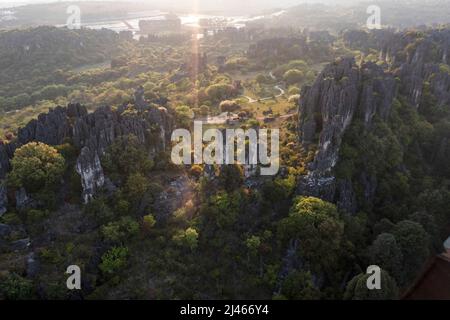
[
  {"x": 223, "y": 117},
  {"x": 277, "y": 87}
]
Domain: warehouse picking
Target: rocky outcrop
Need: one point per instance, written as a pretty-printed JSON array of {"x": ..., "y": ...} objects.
[
  {"x": 414, "y": 57},
  {"x": 91, "y": 134},
  {"x": 139, "y": 99},
  {"x": 326, "y": 109},
  {"x": 50, "y": 128},
  {"x": 415, "y": 67},
  {"x": 378, "y": 90},
  {"x": 91, "y": 172},
  {"x": 20, "y": 245},
  {"x": 6, "y": 152},
  {"x": 341, "y": 92},
  {"x": 94, "y": 132}
]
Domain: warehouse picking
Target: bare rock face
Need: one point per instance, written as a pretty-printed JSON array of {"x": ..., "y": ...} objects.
[
  {"x": 415, "y": 67},
  {"x": 6, "y": 152},
  {"x": 90, "y": 169},
  {"x": 378, "y": 90},
  {"x": 421, "y": 66},
  {"x": 92, "y": 133},
  {"x": 326, "y": 109},
  {"x": 50, "y": 128},
  {"x": 139, "y": 99},
  {"x": 413, "y": 57},
  {"x": 341, "y": 92}
]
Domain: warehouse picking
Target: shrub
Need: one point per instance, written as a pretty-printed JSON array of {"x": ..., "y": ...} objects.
[
  {"x": 187, "y": 238},
  {"x": 293, "y": 76},
  {"x": 148, "y": 222},
  {"x": 229, "y": 106},
  {"x": 36, "y": 166},
  {"x": 15, "y": 287},
  {"x": 114, "y": 260},
  {"x": 120, "y": 231}
]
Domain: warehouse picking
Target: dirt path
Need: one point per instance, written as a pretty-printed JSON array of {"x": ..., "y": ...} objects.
[{"x": 277, "y": 87}]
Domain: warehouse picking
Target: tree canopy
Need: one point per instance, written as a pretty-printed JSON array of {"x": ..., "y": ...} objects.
[{"x": 36, "y": 166}]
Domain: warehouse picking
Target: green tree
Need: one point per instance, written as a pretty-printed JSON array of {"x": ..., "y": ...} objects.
[
  {"x": 414, "y": 244},
  {"x": 136, "y": 186},
  {"x": 125, "y": 157},
  {"x": 120, "y": 231},
  {"x": 231, "y": 177},
  {"x": 36, "y": 166},
  {"x": 148, "y": 222},
  {"x": 222, "y": 210},
  {"x": 220, "y": 91},
  {"x": 316, "y": 226},
  {"x": 229, "y": 106},
  {"x": 187, "y": 238},
  {"x": 98, "y": 210},
  {"x": 299, "y": 285},
  {"x": 386, "y": 253},
  {"x": 293, "y": 76},
  {"x": 253, "y": 244},
  {"x": 114, "y": 260},
  {"x": 22, "y": 100},
  {"x": 15, "y": 287},
  {"x": 184, "y": 116},
  {"x": 204, "y": 110},
  {"x": 428, "y": 222}
]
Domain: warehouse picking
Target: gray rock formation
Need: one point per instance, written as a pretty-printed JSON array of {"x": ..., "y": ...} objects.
[
  {"x": 413, "y": 57},
  {"x": 6, "y": 152},
  {"x": 139, "y": 99},
  {"x": 342, "y": 91},
  {"x": 20, "y": 245},
  {"x": 92, "y": 134},
  {"x": 50, "y": 128},
  {"x": 32, "y": 265},
  {"x": 5, "y": 230},
  {"x": 90, "y": 169},
  {"x": 415, "y": 67}
]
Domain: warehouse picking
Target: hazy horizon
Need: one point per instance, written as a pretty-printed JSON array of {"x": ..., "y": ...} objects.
[{"x": 206, "y": 4}]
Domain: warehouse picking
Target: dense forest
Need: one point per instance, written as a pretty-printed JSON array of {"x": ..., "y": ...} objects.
[{"x": 86, "y": 177}]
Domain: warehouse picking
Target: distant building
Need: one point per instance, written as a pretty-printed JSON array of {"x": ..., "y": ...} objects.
[
  {"x": 167, "y": 23},
  {"x": 213, "y": 23}
]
